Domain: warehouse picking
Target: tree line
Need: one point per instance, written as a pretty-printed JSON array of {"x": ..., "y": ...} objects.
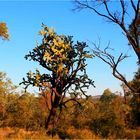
[{"x": 108, "y": 116}]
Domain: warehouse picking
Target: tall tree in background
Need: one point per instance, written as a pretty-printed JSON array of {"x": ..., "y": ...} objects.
[
  {"x": 126, "y": 15},
  {"x": 118, "y": 16},
  {"x": 65, "y": 63},
  {"x": 4, "y": 31}
]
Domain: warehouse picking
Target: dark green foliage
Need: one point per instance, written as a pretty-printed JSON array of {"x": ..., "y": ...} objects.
[
  {"x": 135, "y": 83},
  {"x": 135, "y": 99}
]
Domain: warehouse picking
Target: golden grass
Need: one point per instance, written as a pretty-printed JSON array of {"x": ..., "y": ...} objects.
[
  {"x": 81, "y": 133},
  {"x": 21, "y": 134}
]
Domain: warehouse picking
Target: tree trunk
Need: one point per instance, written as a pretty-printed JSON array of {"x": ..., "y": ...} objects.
[{"x": 48, "y": 120}]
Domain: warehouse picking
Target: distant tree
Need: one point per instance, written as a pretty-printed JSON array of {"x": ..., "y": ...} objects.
[
  {"x": 65, "y": 63},
  {"x": 27, "y": 106},
  {"x": 6, "y": 88},
  {"x": 4, "y": 31},
  {"x": 108, "y": 116},
  {"x": 107, "y": 96}
]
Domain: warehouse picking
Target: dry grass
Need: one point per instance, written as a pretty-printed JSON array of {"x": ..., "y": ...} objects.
[
  {"x": 21, "y": 134},
  {"x": 81, "y": 134}
]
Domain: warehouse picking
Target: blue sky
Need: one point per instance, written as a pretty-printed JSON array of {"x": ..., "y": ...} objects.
[{"x": 24, "y": 19}]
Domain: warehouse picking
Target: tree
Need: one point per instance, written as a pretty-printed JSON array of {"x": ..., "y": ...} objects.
[
  {"x": 109, "y": 115},
  {"x": 107, "y": 96},
  {"x": 135, "y": 100},
  {"x": 65, "y": 63},
  {"x": 4, "y": 31},
  {"x": 136, "y": 81},
  {"x": 6, "y": 89},
  {"x": 118, "y": 16}
]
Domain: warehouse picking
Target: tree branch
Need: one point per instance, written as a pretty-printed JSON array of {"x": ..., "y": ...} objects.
[
  {"x": 115, "y": 18},
  {"x": 110, "y": 60}
]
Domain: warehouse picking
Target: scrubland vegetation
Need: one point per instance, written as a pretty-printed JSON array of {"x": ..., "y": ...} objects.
[{"x": 22, "y": 115}]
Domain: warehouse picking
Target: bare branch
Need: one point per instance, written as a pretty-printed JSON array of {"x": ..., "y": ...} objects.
[
  {"x": 133, "y": 5},
  {"x": 114, "y": 19},
  {"x": 117, "y": 17},
  {"x": 123, "y": 10},
  {"x": 86, "y": 5},
  {"x": 109, "y": 59}
]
